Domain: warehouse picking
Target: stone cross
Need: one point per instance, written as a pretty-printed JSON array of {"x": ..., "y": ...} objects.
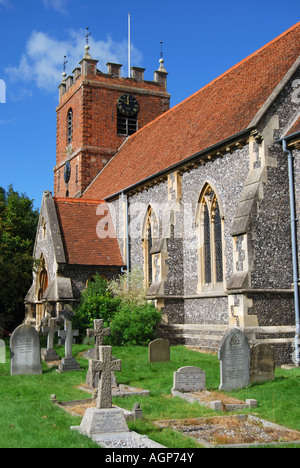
[
  {"x": 49, "y": 354},
  {"x": 68, "y": 363},
  {"x": 105, "y": 365},
  {"x": 98, "y": 332},
  {"x": 50, "y": 330},
  {"x": 68, "y": 334}
]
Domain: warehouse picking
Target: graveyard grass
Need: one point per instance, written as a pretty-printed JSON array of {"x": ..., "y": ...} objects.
[{"x": 29, "y": 419}]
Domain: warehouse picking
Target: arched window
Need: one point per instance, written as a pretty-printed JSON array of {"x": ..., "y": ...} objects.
[
  {"x": 211, "y": 241},
  {"x": 69, "y": 126}
]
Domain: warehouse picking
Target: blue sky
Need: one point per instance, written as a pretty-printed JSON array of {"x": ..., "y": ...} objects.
[{"x": 201, "y": 40}]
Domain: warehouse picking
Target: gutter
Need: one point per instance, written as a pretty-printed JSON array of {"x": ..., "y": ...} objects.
[{"x": 294, "y": 247}]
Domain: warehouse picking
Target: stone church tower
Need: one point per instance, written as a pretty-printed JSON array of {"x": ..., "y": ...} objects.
[{"x": 96, "y": 114}]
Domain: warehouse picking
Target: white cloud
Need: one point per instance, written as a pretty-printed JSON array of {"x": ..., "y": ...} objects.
[
  {"x": 42, "y": 60},
  {"x": 58, "y": 5},
  {"x": 5, "y": 3}
]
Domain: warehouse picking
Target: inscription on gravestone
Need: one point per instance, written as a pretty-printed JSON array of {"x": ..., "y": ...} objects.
[
  {"x": 25, "y": 351},
  {"x": 234, "y": 355}
]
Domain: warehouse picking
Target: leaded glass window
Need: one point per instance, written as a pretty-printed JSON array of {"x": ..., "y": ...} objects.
[
  {"x": 149, "y": 247},
  {"x": 211, "y": 254}
]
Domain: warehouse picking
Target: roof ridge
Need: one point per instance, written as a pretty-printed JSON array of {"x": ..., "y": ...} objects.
[
  {"x": 201, "y": 132},
  {"x": 79, "y": 200},
  {"x": 215, "y": 80}
]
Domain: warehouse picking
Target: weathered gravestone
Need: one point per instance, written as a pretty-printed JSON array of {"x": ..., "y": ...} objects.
[
  {"x": 98, "y": 333},
  {"x": 262, "y": 363},
  {"x": 234, "y": 355},
  {"x": 105, "y": 424},
  {"x": 189, "y": 379},
  {"x": 159, "y": 350},
  {"x": 49, "y": 330},
  {"x": 104, "y": 418},
  {"x": 68, "y": 362},
  {"x": 2, "y": 351},
  {"x": 104, "y": 366},
  {"x": 25, "y": 351}
]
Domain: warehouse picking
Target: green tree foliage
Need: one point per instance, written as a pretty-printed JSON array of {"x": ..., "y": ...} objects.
[
  {"x": 135, "y": 324},
  {"x": 18, "y": 222}
]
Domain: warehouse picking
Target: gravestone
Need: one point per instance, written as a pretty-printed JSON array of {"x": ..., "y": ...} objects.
[
  {"x": 107, "y": 425},
  {"x": 98, "y": 333},
  {"x": 234, "y": 355},
  {"x": 68, "y": 362},
  {"x": 262, "y": 363},
  {"x": 105, "y": 366},
  {"x": 159, "y": 350},
  {"x": 189, "y": 379},
  {"x": 25, "y": 351},
  {"x": 50, "y": 329},
  {"x": 2, "y": 352},
  {"x": 104, "y": 418}
]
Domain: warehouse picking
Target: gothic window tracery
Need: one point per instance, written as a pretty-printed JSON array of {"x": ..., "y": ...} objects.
[{"x": 211, "y": 242}]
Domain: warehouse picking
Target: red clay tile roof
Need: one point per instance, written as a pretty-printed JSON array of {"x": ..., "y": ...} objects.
[
  {"x": 223, "y": 108},
  {"x": 295, "y": 128},
  {"x": 79, "y": 222}
]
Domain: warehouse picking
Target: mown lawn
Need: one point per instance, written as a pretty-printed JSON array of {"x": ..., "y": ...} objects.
[{"x": 28, "y": 418}]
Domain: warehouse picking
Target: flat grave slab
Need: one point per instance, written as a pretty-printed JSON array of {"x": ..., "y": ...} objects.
[{"x": 235, "y": 431}]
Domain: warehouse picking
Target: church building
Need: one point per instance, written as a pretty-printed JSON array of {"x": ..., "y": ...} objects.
[{"x": 202, "y": 197}]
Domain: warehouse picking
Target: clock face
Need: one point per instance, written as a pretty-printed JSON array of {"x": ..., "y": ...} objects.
[
  {"x": 67, "y": 172},
  {"x": 127, "y": 105}
]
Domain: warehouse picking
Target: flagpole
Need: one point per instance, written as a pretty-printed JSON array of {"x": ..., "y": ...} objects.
[{"x": 129, "y": 44}]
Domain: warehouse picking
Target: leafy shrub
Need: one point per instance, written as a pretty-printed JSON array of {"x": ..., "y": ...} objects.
[
  {"x": 130, "y": 288},
  {"x": 134, "y": 324},
  {"x": 123, "y": 307},
  {"x": 96, "y": 303}
]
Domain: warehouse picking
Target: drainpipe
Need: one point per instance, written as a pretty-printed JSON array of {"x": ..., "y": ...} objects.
[
  {"x": 294, "y": 248},
  {"x": 125, "y": 200}
]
